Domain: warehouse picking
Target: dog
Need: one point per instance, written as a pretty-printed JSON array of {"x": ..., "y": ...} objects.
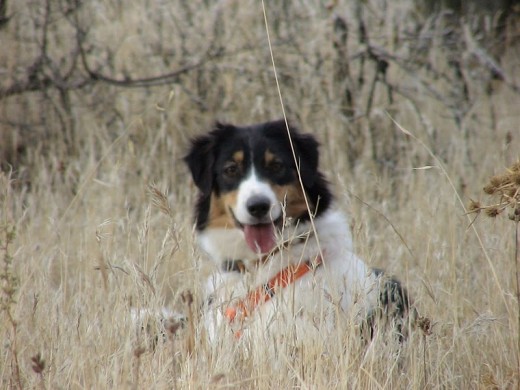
[{"x": 282, "y": 253}]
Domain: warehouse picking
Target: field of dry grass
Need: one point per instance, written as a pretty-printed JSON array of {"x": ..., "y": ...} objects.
[{"x": 82, "y": 240}]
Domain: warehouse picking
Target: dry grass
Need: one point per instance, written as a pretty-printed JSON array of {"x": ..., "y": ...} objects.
[{"x": 101, "y": 204}]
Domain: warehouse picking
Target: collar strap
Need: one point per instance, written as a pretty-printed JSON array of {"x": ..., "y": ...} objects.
[{"x": 247, "y": 305}]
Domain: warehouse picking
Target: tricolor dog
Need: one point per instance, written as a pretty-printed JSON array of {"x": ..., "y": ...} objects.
[{"x": 283, "y": 254}]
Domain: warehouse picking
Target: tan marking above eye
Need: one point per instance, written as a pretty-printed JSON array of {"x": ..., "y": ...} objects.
[
  {"x": 238, "y": 156},
  {"x": 234, "y": 166},
  {"x": 273, "y": 162}
]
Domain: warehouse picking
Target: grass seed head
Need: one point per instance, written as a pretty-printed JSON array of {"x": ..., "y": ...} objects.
[
  {"x": 494, "y": 182},
  {"x": 490, "y": 189},
  {"x": 505, "y": 188},
  {"x": 139, "y": 351},
  {"x": 37, "y": 363},
  {"x": 515, "y": 167},
  {"x": 498, "y": 181},
  {"x": 515, "y": 215},
  {"x": 492, "y": 211},
  {"x": 173, "y": 326},
  {"x": 187, "y": 297},
  {"x": 425, "y": 324},
  {"x": 474, "y": 206},
  {"x": 515, "y": 178}
]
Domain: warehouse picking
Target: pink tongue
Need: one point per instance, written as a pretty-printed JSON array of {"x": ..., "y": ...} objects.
[{"x": 260, "y": 238}]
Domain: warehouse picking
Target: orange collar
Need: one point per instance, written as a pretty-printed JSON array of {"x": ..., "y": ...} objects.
[{"x": 245, "y": 306}]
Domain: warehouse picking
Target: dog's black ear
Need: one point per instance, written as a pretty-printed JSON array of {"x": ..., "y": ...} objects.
[
  {"x": 308, "y": 156},
  {"x": 200, "y": 160}
]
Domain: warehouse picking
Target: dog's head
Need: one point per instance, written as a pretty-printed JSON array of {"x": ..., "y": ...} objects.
[{"x": 249, "y": 180}]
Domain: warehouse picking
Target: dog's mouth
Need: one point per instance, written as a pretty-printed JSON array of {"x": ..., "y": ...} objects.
[{"x": 260, "y": 237}]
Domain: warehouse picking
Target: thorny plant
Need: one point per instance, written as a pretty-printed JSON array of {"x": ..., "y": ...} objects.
[{"x": 504, "y": 190}]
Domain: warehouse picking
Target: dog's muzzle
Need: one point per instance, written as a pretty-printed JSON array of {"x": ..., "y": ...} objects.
[{"x": 258, "y": 206}]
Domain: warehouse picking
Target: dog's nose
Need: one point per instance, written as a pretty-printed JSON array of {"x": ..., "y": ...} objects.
[{"x": 258, "y": 206}]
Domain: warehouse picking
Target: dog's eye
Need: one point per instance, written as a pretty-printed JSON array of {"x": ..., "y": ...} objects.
[
  {"x": 231, "y": 169},
  {"x": 276, "y": 166}
]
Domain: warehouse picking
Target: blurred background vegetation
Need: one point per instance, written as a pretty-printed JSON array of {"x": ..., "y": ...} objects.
[{"x": 73, "y": 70}]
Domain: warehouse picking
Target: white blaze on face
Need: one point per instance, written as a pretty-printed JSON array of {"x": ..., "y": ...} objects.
[
  {"x": 250, "y": 187},
  {"x": 259, "y": 234}
]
